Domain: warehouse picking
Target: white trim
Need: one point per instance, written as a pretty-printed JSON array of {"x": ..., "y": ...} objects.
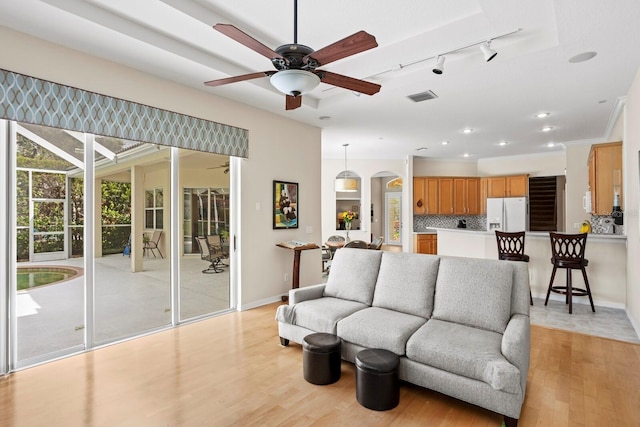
[
  {"x": 634, "y": 322},
  {"x": 49, "y": 146},
  {"x": 260, "y": 303},
  {"x": 5, "y": 228},
  {"x": 175, "y": 250},
  {"x": 89, "y": 247},
  {"x": 613, "y": 117}
]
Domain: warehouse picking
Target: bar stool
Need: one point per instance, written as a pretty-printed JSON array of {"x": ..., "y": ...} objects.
[
  {"x": 567, "y": 251},
  {"x": 511, "y": 248}
]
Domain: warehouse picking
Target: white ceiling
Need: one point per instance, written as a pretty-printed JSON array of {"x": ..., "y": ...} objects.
[{"x": 173, "y": 39}]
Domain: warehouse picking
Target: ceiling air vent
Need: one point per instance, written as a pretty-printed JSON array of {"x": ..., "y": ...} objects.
[{"x": 422, "y": 96}]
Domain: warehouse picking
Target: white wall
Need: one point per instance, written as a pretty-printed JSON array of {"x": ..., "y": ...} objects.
[
  {"x": 365, "y": 169},
  {"x": 263, "y": 265},
  {"x": 631, "y": 148},
  {"x": 438, "y": 167},
  {"x": 543, "y": 164}
]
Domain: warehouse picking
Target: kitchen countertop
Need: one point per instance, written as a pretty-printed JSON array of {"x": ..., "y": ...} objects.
[{"x": 544, "y": 234}]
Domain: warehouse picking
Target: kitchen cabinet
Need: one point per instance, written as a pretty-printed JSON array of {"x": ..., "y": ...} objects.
[
  {"x": 483, "y": 196},
  {"x": 419, "y": 196},
  {"x": 425, "y": 196},
  {"x": 426, "y": 244},
  {"x": 445, "y": 199},
  {"x": 507, "y": 186},
  {"x": 605, "y": 176},
  {"x": 466, "y": 196}
]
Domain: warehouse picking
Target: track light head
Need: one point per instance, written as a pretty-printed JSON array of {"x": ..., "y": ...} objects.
[
  {"x": 439, "y": 67},
  {"x": 489, "y": 53}
]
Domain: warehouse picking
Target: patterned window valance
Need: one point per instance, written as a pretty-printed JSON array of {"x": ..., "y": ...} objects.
[{"x": 31, "y": 100}]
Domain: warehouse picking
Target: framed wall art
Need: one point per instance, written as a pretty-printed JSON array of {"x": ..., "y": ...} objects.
[{"x": 285, "y": 205}]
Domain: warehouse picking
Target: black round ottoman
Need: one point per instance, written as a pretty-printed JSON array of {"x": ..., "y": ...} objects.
[
  {"x": 321, "y": 358},
  {"x": 377, "y": 384}
]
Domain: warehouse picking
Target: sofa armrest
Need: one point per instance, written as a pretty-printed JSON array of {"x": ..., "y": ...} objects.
[
  {"x": 516, "y": 344},
  {"x": 307, "y": 293}
]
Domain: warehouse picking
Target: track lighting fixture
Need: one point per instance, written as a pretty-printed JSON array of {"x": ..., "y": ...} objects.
[
  {"x": 489, "y": 53},
  {"x": 439, "y": 67}
]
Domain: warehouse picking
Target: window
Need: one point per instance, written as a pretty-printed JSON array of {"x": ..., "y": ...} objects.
[{"x": 153, "y": 209}]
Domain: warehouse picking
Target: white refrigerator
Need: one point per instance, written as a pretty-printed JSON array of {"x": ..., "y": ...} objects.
[{"x": 507, "y": 214}]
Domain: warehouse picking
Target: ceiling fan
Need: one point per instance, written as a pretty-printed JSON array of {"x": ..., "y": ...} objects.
[
  {"x": 297, "y": 64},
  {"x": 225, "y": 166}
]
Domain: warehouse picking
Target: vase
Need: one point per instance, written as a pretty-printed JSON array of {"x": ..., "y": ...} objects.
[{"x": 348, "y": 228}]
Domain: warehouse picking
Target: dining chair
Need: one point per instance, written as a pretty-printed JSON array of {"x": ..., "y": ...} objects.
[
  {"x": 376, "y": 244},
  {"x": 360, "y": 244}
]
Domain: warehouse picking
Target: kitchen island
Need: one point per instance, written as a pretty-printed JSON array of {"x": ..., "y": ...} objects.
[{"x": 606, "y": 254}]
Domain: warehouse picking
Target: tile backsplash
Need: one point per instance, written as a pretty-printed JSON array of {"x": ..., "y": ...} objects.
[{"x": 474, "y": 222}]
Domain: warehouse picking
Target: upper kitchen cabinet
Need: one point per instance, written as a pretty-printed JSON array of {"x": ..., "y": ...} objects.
[
  {"x": 425, "y": 196},
  {"x": 605, "y": 176},
  {"x": 507, "y": 186},
  {"x": 466, "y": 196},
  {"x": 445, "y": 199}
]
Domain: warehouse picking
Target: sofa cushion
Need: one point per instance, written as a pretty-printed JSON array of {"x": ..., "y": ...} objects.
[
  {"x": 353, "y": 274},
  {"x": 320, "y": 315},
  {"x": 474, "y": 292},
  {"x": 377, "y": 327},
  {"x": 406, "y": 283},
  {"x": 464, "y": 350}
]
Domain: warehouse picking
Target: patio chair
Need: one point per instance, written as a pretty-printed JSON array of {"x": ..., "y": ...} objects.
[
  {"x": 206, "y": 255},
  {"x": 152, "y": 244},
  {"x": 217, "y": 248}
]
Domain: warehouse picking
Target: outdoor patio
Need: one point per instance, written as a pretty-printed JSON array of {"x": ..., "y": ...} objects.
[{"x": 51, "y": 318}]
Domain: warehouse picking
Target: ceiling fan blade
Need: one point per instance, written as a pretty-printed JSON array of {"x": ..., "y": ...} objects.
[
  {"x": 293, "y": 102},
  {"x": 350, "y": 83},
  {"x": 245, "y": 39},
  {"x": 355, "y": 43},
  {"x": 220, "y": 82}
]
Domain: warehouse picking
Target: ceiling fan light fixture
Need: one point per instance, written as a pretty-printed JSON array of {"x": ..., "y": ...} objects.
[
  {"x": 439, "y": 67},
  {"x": 489, "y": 53},
  {"x": 294, "y": 82}
]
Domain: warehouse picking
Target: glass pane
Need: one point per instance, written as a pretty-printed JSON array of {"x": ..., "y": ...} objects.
[
  {"x": 49, "y": 282},
  {"x": 148, "y": 199},
  {"x": 132, "y": 281},
  {"x": 159, "y": 219},
  {"x": 159, "y": 198},
  {"x": 148, "y": 218},
  {"x": 204, "y": 273}
]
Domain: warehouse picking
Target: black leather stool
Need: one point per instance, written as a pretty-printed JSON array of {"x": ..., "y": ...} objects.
[
  {"x": 321, "y": 358},
  {"x": 377, "y": 384}
]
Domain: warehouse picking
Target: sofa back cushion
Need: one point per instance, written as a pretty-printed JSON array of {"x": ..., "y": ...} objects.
[
  {"x": 406, "y": 283},
  {"x": 474, "y": 292},
  {"x": 353, "y": 274}
]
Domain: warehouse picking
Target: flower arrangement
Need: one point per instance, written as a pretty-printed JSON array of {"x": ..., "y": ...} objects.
[{"x": 348, "y": 216}]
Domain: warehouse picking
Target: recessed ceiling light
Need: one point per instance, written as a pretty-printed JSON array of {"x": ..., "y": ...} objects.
[
  {"x": 551, "y": 144},
  {"x": 445, "y": 142},
  {"x": 421, "y": 149},
  {"x": 542, "y": 115},
  {"x": 546, "y": 128},
  {"x": 503, "y": 143},
  {"x": 466, "y": 155},
  {"x": 581, "y": 57},
  {"x": 467, "y": 130}
]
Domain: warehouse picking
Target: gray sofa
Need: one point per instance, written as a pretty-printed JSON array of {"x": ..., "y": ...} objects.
[{"x": 460, "y": 325}]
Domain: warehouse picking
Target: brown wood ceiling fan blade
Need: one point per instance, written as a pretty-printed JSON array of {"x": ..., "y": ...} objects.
[
  {"x": 293, "y": 102},
  {"x": 220, "y": 82},
  {"x": 355, "y": 43},
  {"x": 350, "y": 83},
  {"x": 245, "y": 39}
]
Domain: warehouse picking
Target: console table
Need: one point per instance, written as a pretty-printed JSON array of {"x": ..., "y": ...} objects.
[{"x": 297, "y": 248}]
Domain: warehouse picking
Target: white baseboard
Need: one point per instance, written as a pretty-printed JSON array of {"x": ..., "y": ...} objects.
[
  {"x": 634, "y": 323},
  {"x": 584, "y": 301},
  {"x": 260, "y": 303}
]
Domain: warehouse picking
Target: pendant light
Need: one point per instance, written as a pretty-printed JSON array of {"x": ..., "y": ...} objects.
[{"x": 344, "y": 183}]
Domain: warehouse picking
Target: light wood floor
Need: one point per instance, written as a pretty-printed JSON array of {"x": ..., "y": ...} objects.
[{"x": 230, "y": 370}]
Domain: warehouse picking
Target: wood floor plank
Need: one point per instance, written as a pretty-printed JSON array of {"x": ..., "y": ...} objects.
[{"x": 231, "y": 371}]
